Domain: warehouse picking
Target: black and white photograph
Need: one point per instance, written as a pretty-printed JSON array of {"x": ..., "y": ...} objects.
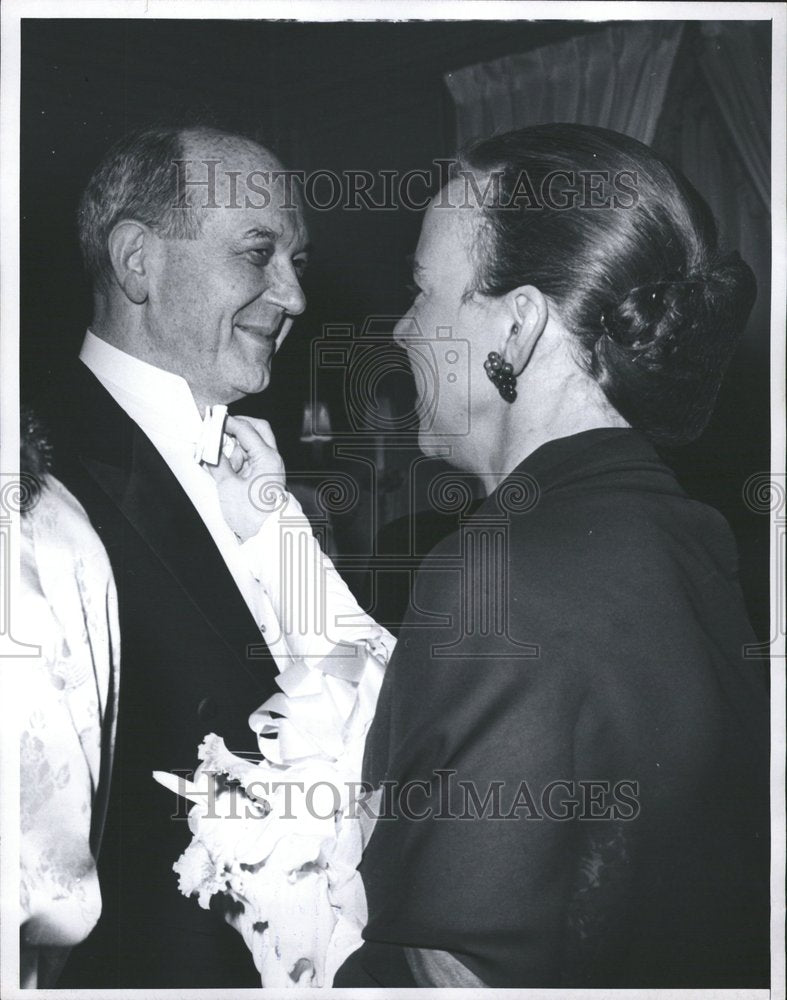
[{"x": 392, "y": 498}]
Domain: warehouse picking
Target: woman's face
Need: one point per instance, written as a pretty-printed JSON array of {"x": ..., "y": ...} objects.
[{"x": 447, "y": 333}]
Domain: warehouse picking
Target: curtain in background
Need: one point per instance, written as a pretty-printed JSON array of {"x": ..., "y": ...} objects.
[
  {"x": 740, "y": 86},
  {"x": 709, "y": 96},
  {"x": 615, "y": 78},
  {"x": 716, "y": 129}
]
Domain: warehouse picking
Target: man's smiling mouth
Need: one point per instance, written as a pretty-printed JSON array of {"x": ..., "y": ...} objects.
[{"x": 261, "y": 333}]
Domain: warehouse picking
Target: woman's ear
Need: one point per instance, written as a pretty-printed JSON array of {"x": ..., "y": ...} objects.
[
  {"x": 528, "y": 312},
  {"x": 127, "y": 247}
]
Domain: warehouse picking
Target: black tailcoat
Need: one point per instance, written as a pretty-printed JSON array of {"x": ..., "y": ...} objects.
[{"x": 192, "y": 661}]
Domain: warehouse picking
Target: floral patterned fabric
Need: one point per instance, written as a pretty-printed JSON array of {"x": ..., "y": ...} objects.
[{"x": 68, "y": 696}]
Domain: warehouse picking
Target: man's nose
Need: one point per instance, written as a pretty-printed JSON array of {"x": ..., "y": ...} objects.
[{"x": 285, "y": 291}]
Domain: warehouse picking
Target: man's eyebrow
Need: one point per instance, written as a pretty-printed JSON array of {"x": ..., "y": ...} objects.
[
  {"x": 261, "y": 233},
  {"x": 266, "y": 233},
  {"x": 416, "y": 267}
]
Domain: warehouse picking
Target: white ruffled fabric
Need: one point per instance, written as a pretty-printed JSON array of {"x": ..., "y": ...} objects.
[
  {"x": 283, "y": 837},
  {"x": 67, "y": 713}
]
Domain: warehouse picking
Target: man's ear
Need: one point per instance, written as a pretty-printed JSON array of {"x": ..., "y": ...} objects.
[
  {"x": 527, "y": 312},
  {"x": 127, "y": 246}
]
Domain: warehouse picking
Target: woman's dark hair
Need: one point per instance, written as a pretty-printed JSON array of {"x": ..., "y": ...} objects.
[{"x": 627, "y": 251}]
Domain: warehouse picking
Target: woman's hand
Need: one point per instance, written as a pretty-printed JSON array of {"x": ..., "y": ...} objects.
[{"x": 251, "y": 481}]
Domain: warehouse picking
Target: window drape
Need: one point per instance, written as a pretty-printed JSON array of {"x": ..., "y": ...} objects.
[
  {"x": 616, "y": 78},
  {"x": 740, "y": 85}
]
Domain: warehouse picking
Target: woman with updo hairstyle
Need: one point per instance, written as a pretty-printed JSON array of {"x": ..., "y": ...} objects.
[
  {"x": 571, "y": 743},
  {"x": 656, "y": 309}
]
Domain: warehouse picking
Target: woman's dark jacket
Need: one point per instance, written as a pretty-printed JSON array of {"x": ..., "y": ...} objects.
[{"x": 601, "y": 818}]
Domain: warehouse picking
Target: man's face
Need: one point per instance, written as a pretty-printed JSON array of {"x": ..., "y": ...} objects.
[{"x": 220, "y": 305}]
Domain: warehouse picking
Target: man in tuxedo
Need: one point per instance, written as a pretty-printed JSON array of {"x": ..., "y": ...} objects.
[{"x": 195, "y": 255}]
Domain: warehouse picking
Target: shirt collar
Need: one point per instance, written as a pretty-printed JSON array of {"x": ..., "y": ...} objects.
[{"x": 158, "y": 400}]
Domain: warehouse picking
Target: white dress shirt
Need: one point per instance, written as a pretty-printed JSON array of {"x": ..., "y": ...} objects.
[{"x": 300, "y": 603}]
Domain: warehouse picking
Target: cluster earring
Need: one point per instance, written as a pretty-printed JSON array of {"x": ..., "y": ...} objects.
[{"x": 502, "y": 375}]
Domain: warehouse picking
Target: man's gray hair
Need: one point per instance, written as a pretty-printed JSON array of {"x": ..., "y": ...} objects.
[{"x": 137, "y": 179}]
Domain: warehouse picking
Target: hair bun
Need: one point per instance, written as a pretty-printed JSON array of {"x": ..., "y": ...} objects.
[
  {"x": 680, "y": 331},
  {"x": 658, "y": 318},
  {"x": 647, "y": 321}
]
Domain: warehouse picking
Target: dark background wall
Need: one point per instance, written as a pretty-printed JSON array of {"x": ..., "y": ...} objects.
[
  {"x": 333, "y": 96},
  {"x": 324, "y": 96}
]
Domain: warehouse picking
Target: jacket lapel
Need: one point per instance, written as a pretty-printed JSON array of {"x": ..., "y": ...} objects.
[{"x": 128, "y": 468}]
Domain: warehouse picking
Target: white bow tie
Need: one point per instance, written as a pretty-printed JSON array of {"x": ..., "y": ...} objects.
[{"x": 213, "y": 440}]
